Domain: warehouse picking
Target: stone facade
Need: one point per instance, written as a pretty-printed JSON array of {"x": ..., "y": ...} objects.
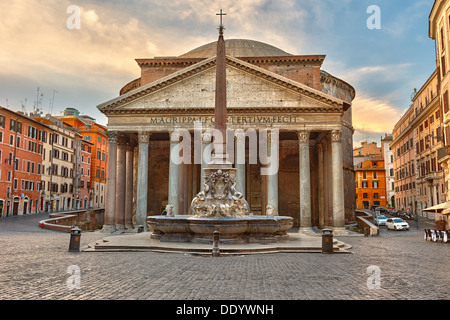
[{"x": 309, "y": 108}]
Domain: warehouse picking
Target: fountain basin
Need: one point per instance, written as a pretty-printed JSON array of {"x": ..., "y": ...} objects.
[{"x": 185, "y": 228}]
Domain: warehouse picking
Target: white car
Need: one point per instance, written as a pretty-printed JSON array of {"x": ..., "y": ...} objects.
[
  {"x": 381, "y": 220},
  {"x": 397, "y": 224}
]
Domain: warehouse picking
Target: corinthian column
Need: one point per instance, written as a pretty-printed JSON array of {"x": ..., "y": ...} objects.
[
  {"x": 337, "y": 181},
  {"x": 120, "y": 182},
  {"x": 142, "y": 183},
  {"x": 240, "y": 161},
  {"x": 110, "y": 204},
  {"x": 321, "y": 185},
  {"x": 305, "y": 184},
  {"x": 272, "y": 177},
  {"x": 174, "y": 172},
  {"x": 129, "y": 186}
]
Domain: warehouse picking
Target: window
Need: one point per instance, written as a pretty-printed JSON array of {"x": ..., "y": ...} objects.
[
  {"x": 375, "y": 184},
  {"x": 2, "y": 122},
  {"x": 375, "y": 195},
  {"x": 364, "y": 195}
]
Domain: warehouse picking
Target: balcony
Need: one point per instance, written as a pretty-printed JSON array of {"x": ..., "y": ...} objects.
[{"x": 442, "y": 153}]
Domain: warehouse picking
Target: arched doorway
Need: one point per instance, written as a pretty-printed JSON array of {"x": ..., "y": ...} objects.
[
  {"x": 25, "y": 206},
  {"x": 16, "y": 202}
]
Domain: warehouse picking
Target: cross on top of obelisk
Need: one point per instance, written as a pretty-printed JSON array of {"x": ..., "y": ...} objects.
[{"x": 221, "y": 25}]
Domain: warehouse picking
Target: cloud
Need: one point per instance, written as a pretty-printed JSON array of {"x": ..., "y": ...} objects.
[{"x": 373, "y": 117}]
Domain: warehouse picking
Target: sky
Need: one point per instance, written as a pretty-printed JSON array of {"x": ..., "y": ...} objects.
[{"x": 46, "y": 62}]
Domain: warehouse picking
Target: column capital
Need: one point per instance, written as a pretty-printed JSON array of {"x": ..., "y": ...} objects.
[
  {"x": 144, "y": 136},
  {"x": 130, "y": 145},
  {"x": 122, "y": 141},
  {"x": 112, "y": 136},
  {"x": 206, "y": 136},
  {"x": 336, "y": 136},
  {"x": 303, "y": 136},
  {"x": 175, "y": 136},
  {"x": 240, "y": 136}
]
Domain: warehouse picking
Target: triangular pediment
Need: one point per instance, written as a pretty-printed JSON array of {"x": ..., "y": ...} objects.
[{"x": 248, "y": 87}]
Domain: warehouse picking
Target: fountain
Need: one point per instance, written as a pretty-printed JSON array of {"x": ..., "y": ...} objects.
[{"x": 219, "y": 207}]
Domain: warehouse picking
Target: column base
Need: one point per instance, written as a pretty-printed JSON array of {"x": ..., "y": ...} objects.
[
  {"x": 340, "y": 231},
  {"x": 129, "y": 228},
  {"x": 108, "y": 228},
  {"x": 306, "y": 231}
]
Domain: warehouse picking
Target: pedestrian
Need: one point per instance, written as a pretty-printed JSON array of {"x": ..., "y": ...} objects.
[{"x": 416, "y": 219}]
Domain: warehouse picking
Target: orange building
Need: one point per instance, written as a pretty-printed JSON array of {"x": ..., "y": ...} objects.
[
  {"x": 95, "y": 134},
  {"x": 370, "y": 181},
  {"x": 21, "y": 150}
]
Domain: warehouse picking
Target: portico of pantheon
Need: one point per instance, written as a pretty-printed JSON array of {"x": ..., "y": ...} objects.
[{"x": 270, "y": 92}]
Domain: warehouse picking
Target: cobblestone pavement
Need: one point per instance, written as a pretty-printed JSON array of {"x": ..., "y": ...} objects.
[{"x": 34, "y": 266}]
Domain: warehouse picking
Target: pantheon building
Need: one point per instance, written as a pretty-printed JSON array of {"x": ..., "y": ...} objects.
[{"x": 268, "y": 91}]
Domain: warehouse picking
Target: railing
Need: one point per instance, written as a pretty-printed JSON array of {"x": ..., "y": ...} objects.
[
  {"x": 363, "y": 220},
  {"x": 86, "y": 219}
]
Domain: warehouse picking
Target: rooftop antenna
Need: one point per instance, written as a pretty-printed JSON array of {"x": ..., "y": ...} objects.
[
  {"x": 52, "y": 101},
  {"x": 24, "y": 110}
]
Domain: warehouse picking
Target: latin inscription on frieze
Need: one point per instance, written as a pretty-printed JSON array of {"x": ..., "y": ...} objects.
[{"x": 232, "y": 120}]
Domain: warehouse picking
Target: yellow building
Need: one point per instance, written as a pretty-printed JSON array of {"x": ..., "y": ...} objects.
[
  {"x": 439, "y": 30},
  {"x": 427, "y": 124},
  {"x": 403, "y": 148}
]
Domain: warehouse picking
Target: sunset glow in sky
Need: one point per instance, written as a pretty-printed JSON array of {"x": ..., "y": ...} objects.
[{"x": 85, "y": 67}]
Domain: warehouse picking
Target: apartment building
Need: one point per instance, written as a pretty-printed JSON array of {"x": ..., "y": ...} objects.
[
  {"x": 370, "y": 181},
  {"x": 427, "y": 124},
  {"x": 95, "y": 134},
  {"x": 388, "y": 157},
  {"x": 403, "y": 148},
  {"x": 61, "y": 164},
  {"x": 83, "y": 184},
  {"x": 21, "y": 151}
]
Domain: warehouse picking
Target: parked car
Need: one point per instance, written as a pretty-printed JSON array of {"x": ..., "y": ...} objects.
[
  {"x": 380, "y": 209},
  {"x": 381, "y": 220},
  {"x": 397, "y": 224}
]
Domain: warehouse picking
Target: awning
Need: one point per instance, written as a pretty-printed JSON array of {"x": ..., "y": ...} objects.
[{"x": 439, "y": 208}]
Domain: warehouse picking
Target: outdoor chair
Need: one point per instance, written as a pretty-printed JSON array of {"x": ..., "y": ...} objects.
[
  {"x": 445, "y": 236},
  {"x": 438, "y": 236},
  {"x": 433, "y": 235},
  {"x": 427, "y": 235}
]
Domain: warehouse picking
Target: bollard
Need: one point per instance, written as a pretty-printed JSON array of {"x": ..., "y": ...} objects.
[
  {"x": 75, "y": 235},
  {"x": 327, "y": 241},
  {"x": 215, "y": 251},
  {"x": 366, "y": 232}
]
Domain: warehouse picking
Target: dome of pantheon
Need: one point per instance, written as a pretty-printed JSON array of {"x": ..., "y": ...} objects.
[{"x": 237, "y": 48}]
